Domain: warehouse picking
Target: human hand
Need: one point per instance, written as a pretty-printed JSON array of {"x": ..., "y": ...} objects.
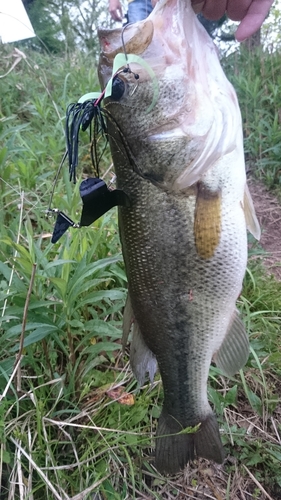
[
  {"x": 115, "y": 9},
  {"x": 251, "y": 13}
]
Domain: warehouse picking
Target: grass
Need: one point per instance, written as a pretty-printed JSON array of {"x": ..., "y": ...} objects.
[
  {"x": 73, "y": 423},
  {"x": 256, "y": 78}
]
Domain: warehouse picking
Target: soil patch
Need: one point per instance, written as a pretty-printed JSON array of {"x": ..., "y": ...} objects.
[{"x": 268, "y": 212}]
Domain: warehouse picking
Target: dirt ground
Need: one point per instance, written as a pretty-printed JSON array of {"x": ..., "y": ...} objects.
[{"x": 268, "y": 212}]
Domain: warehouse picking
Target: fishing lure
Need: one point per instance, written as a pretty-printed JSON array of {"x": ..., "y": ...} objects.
[{"x": 88, "y": 113}]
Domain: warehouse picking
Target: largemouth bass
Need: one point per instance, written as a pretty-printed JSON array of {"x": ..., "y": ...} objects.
[{"x": 177, "y": 148}]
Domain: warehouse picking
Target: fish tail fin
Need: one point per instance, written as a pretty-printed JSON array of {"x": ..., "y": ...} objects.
[
  {"x": 208, "y": 441},
  {"x": 173, "y": 450},
  {"x": 175, "y": 447}
]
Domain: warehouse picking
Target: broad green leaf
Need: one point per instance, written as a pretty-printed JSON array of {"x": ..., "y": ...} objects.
[
  {"x": 256, "y": 458},
  {"x": 75, "y": 323},
  {"x": 60, "y": 284},
  {"x": 6, "y": 367},
  {"x": 3, "y": 155},
  {"x": 102, "y": 295},
  {"x": 7, "y": 318},
  {"x": 39, "y": 334},
  {"x": 255, "y": 401},
  {"x": 5, "y": 270},
  {"x": 231, "y": 396},
  {"x": 102, "y": 346},
  {"x": 24, "y": 253},
  {"x": 87, "y": 285},
  {"x": 102, "y": 328},
  {"x": 16, "y": 330},
  {"x": 58, "y": 262},
  {"x": 6, "y": 457}
]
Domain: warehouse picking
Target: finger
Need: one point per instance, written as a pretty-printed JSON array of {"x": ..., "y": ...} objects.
[
  {"x": 253, "y": 20},
  {"x": 214, "y": 9},
  {"x": 197, "y": 5},
  {"x": 115, "y": 15},
  {"x": 238, "y": 10}
]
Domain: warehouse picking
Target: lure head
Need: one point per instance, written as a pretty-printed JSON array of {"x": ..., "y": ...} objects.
[{"x": 134, "y": 103}]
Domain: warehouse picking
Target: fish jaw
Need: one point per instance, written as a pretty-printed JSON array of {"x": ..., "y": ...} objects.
[{"x": 196, "y": 113}]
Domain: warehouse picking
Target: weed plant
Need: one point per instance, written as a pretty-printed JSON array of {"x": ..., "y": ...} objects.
[
  {"x": 256, "y": 76},
  {"x": 73, "y": 424}
]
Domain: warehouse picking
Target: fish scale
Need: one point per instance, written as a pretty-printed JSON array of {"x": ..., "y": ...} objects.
[{"x": 184, "y": 235}]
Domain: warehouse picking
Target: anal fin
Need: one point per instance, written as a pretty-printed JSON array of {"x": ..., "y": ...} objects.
[
  {"x": 234, "y": 351},
  {"x": 128, "y": 318},
  {"x": 142, "y": 359},
  {"x": 250, "y": 215}
]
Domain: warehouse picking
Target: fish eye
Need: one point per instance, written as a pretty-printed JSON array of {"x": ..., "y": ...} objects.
[{"x": 118, "y": 88}]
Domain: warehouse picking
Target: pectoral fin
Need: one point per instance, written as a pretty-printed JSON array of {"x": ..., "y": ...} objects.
[
  {"x": 234, "y": 351},
  {"x": 250, "y": 215}
]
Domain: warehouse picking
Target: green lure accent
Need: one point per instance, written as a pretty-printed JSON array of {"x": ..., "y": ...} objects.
[
  {"x": 89, "y": 95},
  {"x": 121, "y": 60}
]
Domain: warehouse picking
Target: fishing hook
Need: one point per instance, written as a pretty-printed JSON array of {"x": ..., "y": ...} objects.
[{"x": 127, "y": 69}]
